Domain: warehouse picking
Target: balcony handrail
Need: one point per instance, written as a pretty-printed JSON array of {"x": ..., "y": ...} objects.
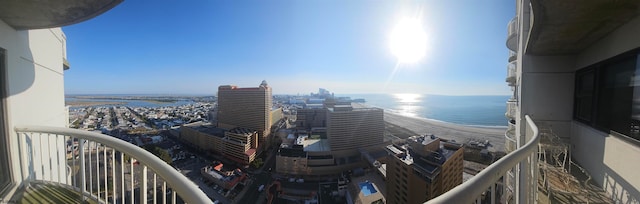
[
  {"x": 469, "y": 191},
  {"x": 187, "y": 190},
  {"x": 512, "y": 34}
]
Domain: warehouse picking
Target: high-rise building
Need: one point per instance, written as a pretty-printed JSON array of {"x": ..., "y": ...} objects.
[
  {"x": 311, "y": 118},
  {"x": 328, "y": 140},
  {"x": 247, "y": 108},
  {"x": 352, "y": 128},
  {"x": 422, "y": 169}
]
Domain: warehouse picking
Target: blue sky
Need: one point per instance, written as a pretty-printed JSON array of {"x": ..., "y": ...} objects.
[{"x": 192, "y": 47}]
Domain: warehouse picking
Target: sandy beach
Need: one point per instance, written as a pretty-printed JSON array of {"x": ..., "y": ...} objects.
[{"x": 459, "y": 133}]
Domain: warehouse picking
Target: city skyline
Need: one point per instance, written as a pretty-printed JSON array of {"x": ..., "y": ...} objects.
[{"x": 192, "y": 48}]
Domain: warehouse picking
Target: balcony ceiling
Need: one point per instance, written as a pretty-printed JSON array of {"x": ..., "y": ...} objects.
[
  {"x": 569, "y": 26},
  {"x": 35, "y": 14}
]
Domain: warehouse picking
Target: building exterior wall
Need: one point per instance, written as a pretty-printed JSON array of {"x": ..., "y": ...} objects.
[
  {"x": 292, "y": 165},
  {"x": 398, "y": 178},
  {"x": 246, "y": 108},
  {"x": 600, "y": 152},
  {"x": 404, "y": 185},
  {"x": 306, "y": 166},
  {"x": 233, "y": 146},
  {"x": 451, "y": 175},
  {"x": 35, "y": 87},
  {"x": 355, "y": 129},
  {"x": 202, "y": 140},
  {"x": 546, "y": 93},
  {"x": 275, "y": 116},
  {"x": 238, "y": 144},
  {"x": 310, "y": 118}
]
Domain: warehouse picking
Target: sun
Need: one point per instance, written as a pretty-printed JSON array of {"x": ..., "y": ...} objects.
[{"x": 408, "y": 41}]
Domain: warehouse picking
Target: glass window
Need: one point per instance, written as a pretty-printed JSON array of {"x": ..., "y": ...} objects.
[
  {"x": 584, "y": 95},
  {"x": 607, "y": 95},
  {"x": 4, "y": 154},
  {"x": 615, "y": 96}
]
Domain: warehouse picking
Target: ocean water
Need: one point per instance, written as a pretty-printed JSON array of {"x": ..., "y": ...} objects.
[
  {"x": 132, "y": 103},
  {"x": 464, "y": 110}
]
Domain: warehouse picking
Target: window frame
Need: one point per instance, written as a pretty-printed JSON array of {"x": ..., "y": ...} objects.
[
  {"x": 598, "y": 69},
  {"x": 6, "y": 175}
]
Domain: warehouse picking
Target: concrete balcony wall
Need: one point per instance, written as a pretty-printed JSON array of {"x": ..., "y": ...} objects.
[
  {"x": 35, "y": 83},
  {"x": 547, "y": 91}
]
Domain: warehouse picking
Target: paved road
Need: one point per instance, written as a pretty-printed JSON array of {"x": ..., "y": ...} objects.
[
  {"x": 211, "y": 193},
  {"x": 263, "y": 176},
  {"x": 252, "y": 194}
]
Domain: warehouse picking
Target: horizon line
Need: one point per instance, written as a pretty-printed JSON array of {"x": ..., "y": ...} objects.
[{"x": 274, "y": 94}]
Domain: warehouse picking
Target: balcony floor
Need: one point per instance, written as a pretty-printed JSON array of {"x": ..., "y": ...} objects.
[
  {"x": 570, "y": 188},
  {"x": 50, "y": 193}
]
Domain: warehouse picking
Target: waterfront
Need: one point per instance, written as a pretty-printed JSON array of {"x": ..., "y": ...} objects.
[
  {"x": 83, "y": 102},
  {"x": 483, "y": 111}
]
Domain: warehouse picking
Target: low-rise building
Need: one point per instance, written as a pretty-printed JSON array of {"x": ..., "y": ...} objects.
[
  {"x": 235, "y": 144},
  {"x": 226, "y": 179},
  {"x": 423, "y": 168},
  {"x": 312, "y": 156}
]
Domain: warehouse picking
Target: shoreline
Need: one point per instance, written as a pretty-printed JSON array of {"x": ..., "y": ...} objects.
[
  {"x": 75, "y": 104},
  {"x": 459, "y": 133},
  {"x": 390, "y": 111}
]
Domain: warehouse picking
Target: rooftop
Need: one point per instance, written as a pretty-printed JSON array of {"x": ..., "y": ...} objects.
[
  {"x": 316, "y": 145},
  {"x": 292, "y": 151},
  {"x": 234, "y": 87},
  {"x": 367, "y": 188},
  {"x": 239, "y": 130},
  {"x": 425, "y": 154},
  {"x": 349, "y": 108},
  {"x": 209, "y": 129},
  {"x": 250, "y": 152},
  {"x": 312, "y": 144}
]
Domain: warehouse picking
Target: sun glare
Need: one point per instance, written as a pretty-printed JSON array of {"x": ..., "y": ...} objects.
[
  {"x": 408, "y": 97},
  {"x": 408, "y": 41}
]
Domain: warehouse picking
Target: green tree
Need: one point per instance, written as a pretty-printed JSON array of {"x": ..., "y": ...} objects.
[
  {"x": 257, "y": 163},
  {"x": 159, "y": 152}
]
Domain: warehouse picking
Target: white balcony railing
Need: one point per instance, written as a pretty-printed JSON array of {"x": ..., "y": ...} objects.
[
  {"x": 102, "y": 168},
  {"x": 512, "y": 56},
  {"x": 523, "y": 160},
  {"x": 510, "y": 138},
  {"x": 512, "y": 34},
  {"x": 511, "y": 73},
  {"x": 511, "y": 109}
]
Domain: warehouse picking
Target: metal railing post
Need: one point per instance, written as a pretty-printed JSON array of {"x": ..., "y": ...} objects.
[
  {"x": 143, "y": 188},
  {"x": 83, "y": 177},
  {"x": 471, "y": 190},
  {"x": 44, "y": 166}
]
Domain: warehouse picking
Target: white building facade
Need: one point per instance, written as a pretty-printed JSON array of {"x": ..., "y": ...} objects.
[
  {"x": 37, "y": 149},
  {"x": 572, "y": 68},
  {"x": 33, "y": 90}
]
